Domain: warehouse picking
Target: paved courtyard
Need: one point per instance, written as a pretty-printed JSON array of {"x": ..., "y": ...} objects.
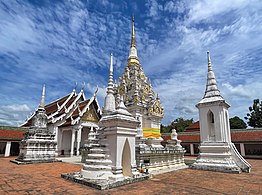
[{"x": 45, "y": 179}]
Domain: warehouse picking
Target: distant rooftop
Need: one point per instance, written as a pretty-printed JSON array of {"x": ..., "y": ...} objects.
[{"x": 9, "y": 133}]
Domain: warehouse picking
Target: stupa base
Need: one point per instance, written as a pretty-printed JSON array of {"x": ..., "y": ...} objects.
[
  {"x": 103, "y": 184},
  {"x": 21, "y": 162}
]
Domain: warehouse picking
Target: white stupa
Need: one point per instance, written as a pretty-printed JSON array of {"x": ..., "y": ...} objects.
[{"x": 217, "y": 152}]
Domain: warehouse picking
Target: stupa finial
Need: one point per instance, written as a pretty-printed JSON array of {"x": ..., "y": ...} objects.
[
  {"x": 133, "y": 41},
  {"x": 209, "y": 61},
  {"x": 211, "y": 86},
  {"x": 109, "y": 105},
  {"x": 42, "y": 103},
  {"x": 133, "y": 59}
]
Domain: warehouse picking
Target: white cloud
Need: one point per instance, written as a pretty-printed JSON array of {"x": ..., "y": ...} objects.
[
  {"x": 14, "y": 114},
  {"x": 205, "y": 9},
  {"x": 16, "y": 108},
  {"x": 175, "y": 6},
  {"x": 154, "y": 8},
  {"x": 238, "y": 90}
]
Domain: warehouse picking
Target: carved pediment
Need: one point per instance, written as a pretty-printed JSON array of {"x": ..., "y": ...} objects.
[
  {"x": 156, "y": 109},
  {"x": 90, "y": 115}
]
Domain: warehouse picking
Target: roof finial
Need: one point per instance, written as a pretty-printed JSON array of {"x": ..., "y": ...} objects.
[
  {"x": 75, "y": 87},
  {"x": 42, "y": 103},
  {"x": 96, "y": 91},
  {"x": 133, "y": 42},
  {"x": 83, "y": 86}
]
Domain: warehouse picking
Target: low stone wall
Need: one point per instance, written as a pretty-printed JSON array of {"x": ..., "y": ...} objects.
[{"x": 157, "y": 158}]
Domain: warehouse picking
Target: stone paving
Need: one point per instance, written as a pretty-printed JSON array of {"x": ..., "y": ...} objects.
[{"x": 45, "y": 179}]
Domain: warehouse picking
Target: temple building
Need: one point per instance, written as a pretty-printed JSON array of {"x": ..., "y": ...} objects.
[
  {"x": 139, "y": 97},
  {"x": 71, "y": 118}
]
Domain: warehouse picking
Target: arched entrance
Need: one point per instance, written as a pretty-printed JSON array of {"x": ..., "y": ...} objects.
[
  {"x": 211, "y": 126},
  {"x": 126, "y": 159}
]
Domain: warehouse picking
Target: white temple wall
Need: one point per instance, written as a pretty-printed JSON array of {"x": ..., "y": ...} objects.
[
  {"x": 155, "y": 124},
  {"x": 221, "y": 123},
  {"x": 113, "y": 143},
  {"x": 116, "y": 147},
  {"x": 146, "y": 122}
]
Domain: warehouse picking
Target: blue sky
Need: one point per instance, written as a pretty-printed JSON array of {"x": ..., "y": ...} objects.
[{"x": 60, "y": 43}]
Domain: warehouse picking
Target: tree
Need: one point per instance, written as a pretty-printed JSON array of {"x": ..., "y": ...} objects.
[
  {"x": 165, "y": 129},
  {"x": 181, "y": 124},
  {"x": 237, "y": 123},
  {"x": 254, "y": 118}
]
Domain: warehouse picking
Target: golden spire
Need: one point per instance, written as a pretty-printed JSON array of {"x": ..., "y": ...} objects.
[
  {"x": 133, "y": 58},
  {"x": 133, "y": 42}
]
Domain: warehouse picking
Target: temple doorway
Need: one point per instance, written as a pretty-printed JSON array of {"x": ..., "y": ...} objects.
[
  {"x": 211, "y": 126},
  {"x": 126, "y": 160}
]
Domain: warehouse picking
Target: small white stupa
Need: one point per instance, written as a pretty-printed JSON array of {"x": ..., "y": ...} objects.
[
  {"x": 217, "y": 152},
  {"x": 38, "y": 145}
]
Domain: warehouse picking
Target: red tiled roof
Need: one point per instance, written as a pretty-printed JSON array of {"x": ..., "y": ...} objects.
[
  {"x": 185, "y": 138},
  {"x": 244, "y": 135},
  {"x": 193, "y": 127},
  {"x": 189, "y": 138},
  {"x": 11, "y": 133},
  {"x": 83, "y": 104},
  {"x": 248, "y": 135},
  {"x": 52, "y": 107}
]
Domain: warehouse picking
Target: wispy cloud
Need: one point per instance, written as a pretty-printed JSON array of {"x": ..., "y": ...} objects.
[{"x": 14, "y": 114}]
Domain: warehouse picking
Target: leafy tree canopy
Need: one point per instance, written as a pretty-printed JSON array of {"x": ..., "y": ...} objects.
[
  {"x": 181, "y": 124},
  {"x": 165, "y": 129},
  {"x": 254, "y": 117},
  {"x": 237, "y": 123}
]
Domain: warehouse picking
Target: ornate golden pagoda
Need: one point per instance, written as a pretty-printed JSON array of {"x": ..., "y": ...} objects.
[{"x": 138, "y": 94}]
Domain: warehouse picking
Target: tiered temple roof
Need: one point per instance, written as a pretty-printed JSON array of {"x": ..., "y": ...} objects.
[{"x": 69, "y": 109}]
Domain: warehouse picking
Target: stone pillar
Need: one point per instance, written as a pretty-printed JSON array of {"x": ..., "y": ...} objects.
[
  {"x": 57, "y": 140},
  {"x": 7, "y": 149},
  {"x": 79, "y": 134},
  {"x": 72, "y": 142},
  {"x": 91, "y": 129},
  {"x": 242, "y": 149},
  {"x": 192, "y": 149}
]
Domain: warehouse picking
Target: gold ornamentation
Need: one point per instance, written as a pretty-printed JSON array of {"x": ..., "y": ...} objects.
[
  {"x": 136, "y": 99},
  {"x": 90, "y": 115},
  {"x": 122, "y": 89},
  {"x": 146, "y": 89},
  {"x": 156, "y": 109},
  {"x": 133, "y": 61}
]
